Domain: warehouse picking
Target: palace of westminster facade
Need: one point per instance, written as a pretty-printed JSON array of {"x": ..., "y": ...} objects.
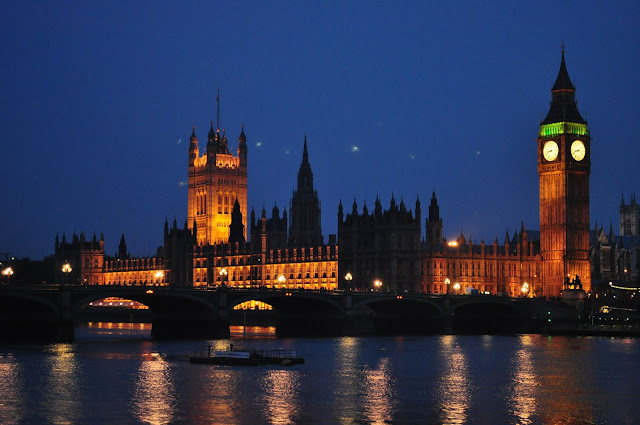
[{"x": 383, "y": 249}]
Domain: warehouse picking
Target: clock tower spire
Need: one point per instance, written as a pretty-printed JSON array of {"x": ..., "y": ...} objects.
[{"x": 564, "y": 165}]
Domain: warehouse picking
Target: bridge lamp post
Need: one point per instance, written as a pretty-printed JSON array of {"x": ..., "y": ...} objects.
[
  {"x": 66, "y": 269},
  {"x": 281, "y": 279},
  {"x": 377, "y": 284},
  {"x": 447, "y": 282},
  {"x": 348, "y": 277},
  {"x": 8, "y": 272},
  {"x": 456, "y": 287},
  {"x": 525, "y": 289},
  {"x": 223, "y": 274}
]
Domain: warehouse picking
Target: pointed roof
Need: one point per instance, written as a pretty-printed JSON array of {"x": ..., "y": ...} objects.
[
  {"x": 193, "y": 133},
  {"x": 305, "y": 153},
  {"x": 564, "y": 107},
  {"x": 242, "y": 137},
  {"x": 563, "y": 82}
]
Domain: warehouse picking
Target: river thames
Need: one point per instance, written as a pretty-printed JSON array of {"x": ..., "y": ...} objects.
[{"x": 116, "y": 374}]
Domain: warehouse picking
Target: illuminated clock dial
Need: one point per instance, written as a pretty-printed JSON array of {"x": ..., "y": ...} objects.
[
  {"x": 578, "y": 150},
  {"x": 550, "y": 150}
]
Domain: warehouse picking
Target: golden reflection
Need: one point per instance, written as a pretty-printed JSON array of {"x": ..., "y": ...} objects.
[
  {"x": 565, "y": 376},
  {"x": 348, "y": 384},
  {"x": 453, "y": 388},
  {"x": 379, "y": 398},
  {"x": 63, "y": 395},
  {"x": 154, "y": 397},
  {"x": 221, "y": 402},
  {"x": 280, "y": 388},
  {"x": 11, "y": 405},
  {"x": 252, "y": 332},
  {"x": 525, "y": 385}
]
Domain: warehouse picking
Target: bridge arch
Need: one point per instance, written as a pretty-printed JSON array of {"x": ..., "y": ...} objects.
[
  {"x": 488, "y": 316},
  {"x": 401, "y": 315},
  {"x": 298, "y": 313}
]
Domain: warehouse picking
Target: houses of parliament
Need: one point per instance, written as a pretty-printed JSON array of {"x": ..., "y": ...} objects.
[{"x": 222, "y": 244}]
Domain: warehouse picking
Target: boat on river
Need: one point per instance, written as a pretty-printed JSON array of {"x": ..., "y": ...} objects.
[{"x": 246, "y": 357}]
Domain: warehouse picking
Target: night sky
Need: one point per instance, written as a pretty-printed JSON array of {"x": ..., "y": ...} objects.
[{"x": 98, "y": 100}]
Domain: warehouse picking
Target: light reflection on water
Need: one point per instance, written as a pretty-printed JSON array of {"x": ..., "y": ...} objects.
[
  {"x": 347, "y": 385},
  {"x": 11, "y": 393},
  {"x": 64, "y": 394},
  {"x": 379, "y": 394},
  {"x": 219, "y": 395},
  {"x": 280, "y": 395},
  {"x": 452, "y": 393},
  {"x": 526, "y": 380},
  {"x": 154, "y": 397},
  {"x": 525, "y": 384}
]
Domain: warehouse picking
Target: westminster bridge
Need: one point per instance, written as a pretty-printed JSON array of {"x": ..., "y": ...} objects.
[{"x": 49, "y": 312}]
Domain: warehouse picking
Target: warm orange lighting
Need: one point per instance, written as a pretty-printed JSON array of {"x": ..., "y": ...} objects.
[
  {"x": 348, "y": 277},
  {"x": 159, "y": 274},
  {"x": 66, "y": 268},
  {"x": 377, "y": 283},
  {"x": 456, "y": 286},
  {"x": 453, "y": 243},
  {"x": 281, "y": 279},
  {"x": 8, "y": 272},
  {"x": 398, "y": 297},
  {"x": 223, "y": 272},
  {"x": 149, "y": 291},
  {"x": 288, "y": 294}
]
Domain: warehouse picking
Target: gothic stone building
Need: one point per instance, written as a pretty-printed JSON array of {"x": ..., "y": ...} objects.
[{"x": 384, "y": 246}]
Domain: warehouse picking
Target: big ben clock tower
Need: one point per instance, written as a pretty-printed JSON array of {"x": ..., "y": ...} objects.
[{"x": 564, "y": 164}]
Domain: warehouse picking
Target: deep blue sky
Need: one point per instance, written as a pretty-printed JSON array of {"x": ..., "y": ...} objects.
[{"x": 98, "y": 99}]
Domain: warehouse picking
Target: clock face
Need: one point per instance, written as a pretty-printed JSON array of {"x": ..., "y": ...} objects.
[
  {"x": 578, "y": 150},
  {"x": 550, "y": 150}
]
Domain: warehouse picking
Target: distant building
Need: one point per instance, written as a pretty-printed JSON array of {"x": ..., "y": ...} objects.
[
  {"x": 304, "y": 211},
  {"x": 630, "y": 217},
  {"x": 380, "y": 251},
  {"x": 615, "y": 260}
]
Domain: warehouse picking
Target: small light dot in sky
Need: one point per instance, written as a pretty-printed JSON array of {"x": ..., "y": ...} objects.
[
  {"x": 182, "y": 183},
  {"x": 355, "y": 148},
  {"x": 258, "y": 144},
  {"x": 179, "y": 141},
  {"x": 286, "y": 151},
  {"x": 412, "y": 156},
  {"x": 477, "y": 153}
]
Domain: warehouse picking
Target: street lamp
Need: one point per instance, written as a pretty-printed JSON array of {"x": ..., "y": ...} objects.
[
  {"x": 348, "y": 277},
  {"x": 525, "y": 289},
  {"x": 281, "y": 279},
  {"x": 159, "y": 275},
  {"x": 377, "y": 284},
  {"x": 66, "y": 269},
  {"x": 223, "y": 274},
  {"x": 8, "y": 272},
  {"x": 456, "y": 287},
  {"x": 447, "y": 282}
]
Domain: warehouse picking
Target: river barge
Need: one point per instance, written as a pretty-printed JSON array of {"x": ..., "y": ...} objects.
[{"x": 246, "y": 357}]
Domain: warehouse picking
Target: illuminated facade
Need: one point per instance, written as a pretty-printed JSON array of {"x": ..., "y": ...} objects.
[
  {"x": 459, "y": 267},
  {"x": 564, "y": 165},
  {"x": 211, "y": 249},
  {"x": 381, "y": 250},
  {"x": 217, "y": 179}
]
